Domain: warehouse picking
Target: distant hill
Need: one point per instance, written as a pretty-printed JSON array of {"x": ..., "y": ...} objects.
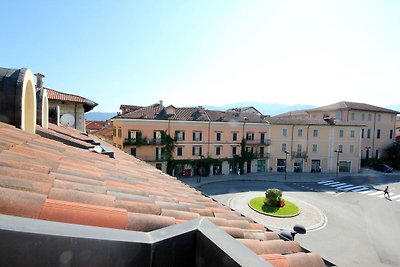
[
  {"x": 265, "y": 108},
  {"x": 99, "y": 116}
]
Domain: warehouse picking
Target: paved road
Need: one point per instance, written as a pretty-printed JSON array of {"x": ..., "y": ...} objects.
[{"x": 362, "y": 228}]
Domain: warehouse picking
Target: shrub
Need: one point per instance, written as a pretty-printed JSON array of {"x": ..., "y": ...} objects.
[{"x": 272, "y": 197}]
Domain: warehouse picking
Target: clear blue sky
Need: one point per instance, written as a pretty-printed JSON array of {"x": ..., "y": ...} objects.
[{"x": 192, "y": 52}]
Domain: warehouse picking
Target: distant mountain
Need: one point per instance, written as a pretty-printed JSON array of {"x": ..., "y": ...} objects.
[
  {"x": 99, "y": 116},
  {"x": 265, "y": 108}
]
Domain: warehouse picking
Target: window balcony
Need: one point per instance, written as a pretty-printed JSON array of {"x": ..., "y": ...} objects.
[
  {"x": 299, "y": 155},
  {"x": 266, "y": 142}
]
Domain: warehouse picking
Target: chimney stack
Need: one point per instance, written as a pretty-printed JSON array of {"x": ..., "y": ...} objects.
[
  {"x": 39, "y": 81},
  {"x": 161, "y": 102}
]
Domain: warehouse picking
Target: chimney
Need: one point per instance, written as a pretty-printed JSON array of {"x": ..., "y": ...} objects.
[
  {"x": 161, "y": 102},
  {"x": 39, "y": 81}
]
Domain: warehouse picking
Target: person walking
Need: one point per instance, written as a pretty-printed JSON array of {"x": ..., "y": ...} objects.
[{"x": 386, "y": 192}]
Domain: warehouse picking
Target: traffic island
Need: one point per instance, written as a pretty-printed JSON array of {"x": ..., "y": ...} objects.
[{"x": 288, "y": 210}]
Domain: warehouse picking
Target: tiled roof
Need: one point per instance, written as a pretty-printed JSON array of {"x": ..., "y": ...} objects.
[
  {"x": 56, "y": 95},
  {"x": 95, "y": 125},
  {"x": 353, "y": 106},
  {"x": 48, "y": 180},
  {"x": 159, "y": 112},
  {"x": 295, "y": 120}
]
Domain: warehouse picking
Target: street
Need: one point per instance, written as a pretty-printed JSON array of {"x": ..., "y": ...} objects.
[{"x": 362, "y": 227}]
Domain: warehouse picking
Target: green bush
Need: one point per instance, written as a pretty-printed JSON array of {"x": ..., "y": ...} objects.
[{"x": 272, "y": 197}]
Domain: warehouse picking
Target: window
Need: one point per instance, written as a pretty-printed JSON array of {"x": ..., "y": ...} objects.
[
  {"x": 299, "y": 132},
  {"x": 369, "y": 133},
  {"x": 133, "y": 151},
  {"x": 363, "y": 116},
  {"x": 283, "y": 147},
  {"x": 157, "y": 135},
  {"x": 196, "y": 151},
  {"x": 180, "y": 135},
  {"x": 341, "y": 148},
  {"x": 353, "y": 116},
  {"x": 233, "y": 150},
  {"x": 315, "y": 132},
  {"x": 249, "y": 136},
  {"x": 298, "y": 148},
  {"x": 392, "y": 117},
  {"x": 315, "y": 148},
  {"x": 351, "y": 148},
  {"x": 261, "y": 152},
  {"x": 249, "y": 149},
  {"x": 196, "y": 136},
  {"x": 179, "y": 151},
  {"x": 218, "y": 136},
  {"x": 114, "y": 131},
  {"x": 218, "y": 150},
  {"x": 379, "y": 117},
  {"x": 352, "y": 133},
  {"x": 132, "y": 134},
  {"x": 391, "y": 134},
  {"x": 362, "y": 133},
  {"x": 378, "y": 134},
  {"x": 338, "y": 115},
  {"x": 234, "y": 136},
  {"x": 369, "y": 117},
  {"x": 341, "y": 133},
  {"x": 284, "y": 132},
  {"x": 119, "y": 132}
]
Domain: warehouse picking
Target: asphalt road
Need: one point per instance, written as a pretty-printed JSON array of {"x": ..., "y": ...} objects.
[{"x": 361, "y": 229}]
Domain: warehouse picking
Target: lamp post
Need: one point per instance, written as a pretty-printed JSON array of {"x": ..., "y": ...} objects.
[
  {"x": 286, "y": 153},
  {"x": 337, "y": 161}
]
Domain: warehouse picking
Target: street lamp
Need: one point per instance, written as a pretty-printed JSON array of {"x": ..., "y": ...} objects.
[
  {"x": 337, "y": 161},
  {"x": 286, "y": 153}
]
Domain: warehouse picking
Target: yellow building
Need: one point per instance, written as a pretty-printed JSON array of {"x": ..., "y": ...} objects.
[
  {"x": 314, "y": 145},
  {"x": 199, "y": 136}
]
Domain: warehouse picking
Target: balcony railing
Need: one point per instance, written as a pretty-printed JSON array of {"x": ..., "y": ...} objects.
[
  {"x": 299, "y": 155},
  {"x": 143, "y": 142},
  {"x": 152, "y": 158},
  {"x": 266, "y": 142}
]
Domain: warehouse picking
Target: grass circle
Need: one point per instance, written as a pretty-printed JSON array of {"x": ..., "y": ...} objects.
[{"x": 289, "y": 210}]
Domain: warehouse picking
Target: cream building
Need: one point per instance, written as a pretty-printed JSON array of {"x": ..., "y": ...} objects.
[
  {"x": 380, "y": 124},
  {"x": 199, "y": 134},
  {"x": 314, "y": 145}
]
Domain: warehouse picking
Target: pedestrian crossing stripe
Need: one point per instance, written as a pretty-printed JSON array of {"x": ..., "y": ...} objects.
[
  {"x": 338, "y": 185},
  {"x": 333, "y": 183},
  {"x": 363, "y": 188},
  {"x": 323, "y": 182},
  {"x": 345, "y": 186},
  {"x": 355, "y": 188},
  {"x": 366, "y": 192}
]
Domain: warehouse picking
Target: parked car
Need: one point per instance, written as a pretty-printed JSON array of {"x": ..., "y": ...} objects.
[{"x": 383, "y": 168}]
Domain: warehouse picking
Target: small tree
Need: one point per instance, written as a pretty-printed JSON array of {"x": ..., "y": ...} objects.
[{"x": 272, "y": 197}]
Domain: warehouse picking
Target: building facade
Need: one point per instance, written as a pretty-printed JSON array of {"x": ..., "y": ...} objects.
[
  {"x": 231, "y": 141},
  {"x": 314, "y": 145},
  {"x": 380, "y": 124}
]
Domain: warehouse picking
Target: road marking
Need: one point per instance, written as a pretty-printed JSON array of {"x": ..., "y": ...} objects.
[
  {"x": 381, "y": 196},
  {"x": 376, "y": 193},
  {"x": 361, "y": 189},
  {"x": 333, "y": 183},
  {"x": 323, "y": 182},
  {"x": 330, "y": 192},
  {"x": 337, "y": 185},
  {"x": 345, "y": 186},
  {"x": 352, "y": 188}
]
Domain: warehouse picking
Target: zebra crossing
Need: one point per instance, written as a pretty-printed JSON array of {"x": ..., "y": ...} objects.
[{"x": 361, "y": 189}]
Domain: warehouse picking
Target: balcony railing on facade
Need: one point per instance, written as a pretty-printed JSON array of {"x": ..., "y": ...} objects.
[
  {"x": 299, "y": 155},
  {"x": 143, "y": 141},
  {"x": 152, "y": 158},
  {"x": 266, "y": 142}
]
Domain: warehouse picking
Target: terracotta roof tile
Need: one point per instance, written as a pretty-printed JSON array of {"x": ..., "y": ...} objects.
[
  {"x": 77, "y": 179},
  {"x": 131, "y": 197},
  {"x": 82, "y": 197},
  {"x": 79, "y": 186},
  {"x": 277, "y": 260},
  {"x": 138, "y": 207},
  {"x": 21, "y": 203},
  {"x": 24, "y": 184},
  {"x": 78, "y": 213},
  {"x": 148, "y": 222},
  {"x": 178, "y": 214},
  {"x": 304, "y": 260}
]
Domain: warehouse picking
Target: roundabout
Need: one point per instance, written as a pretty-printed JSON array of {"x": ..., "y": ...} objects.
[
  {"x": 289, "y": 210},
  {"x": 310, "y": 217}
]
